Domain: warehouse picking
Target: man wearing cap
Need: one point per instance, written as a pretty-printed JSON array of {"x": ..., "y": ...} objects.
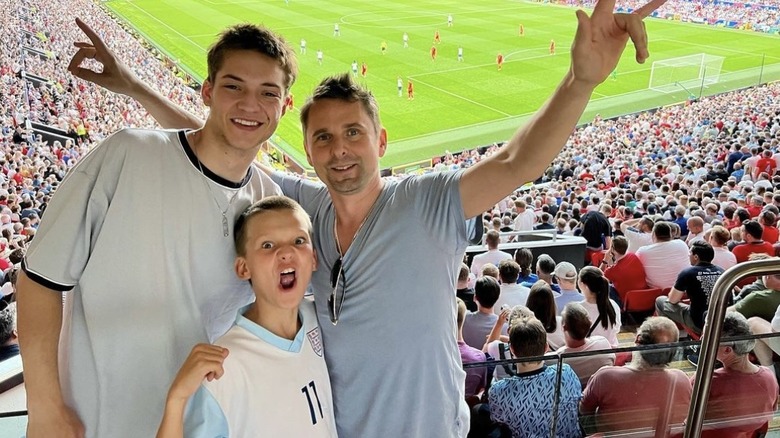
[
  {"x": 566, "y": 274},
  {"x": 743, "y": 396}
]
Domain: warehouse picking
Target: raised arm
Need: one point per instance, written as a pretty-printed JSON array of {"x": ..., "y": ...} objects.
[
  {"x": 495, "y": 333},
  {"x": 626, "y": 224},
  {"x": 117, "y": 77},
  {"x": 40, "y": 320},
  {"x": 598, "y": 45},
  {"x": 204, "y": 362}
]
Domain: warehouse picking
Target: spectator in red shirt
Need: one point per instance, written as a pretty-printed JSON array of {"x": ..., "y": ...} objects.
[
  {"x": 751, "y": 233},
  {"x": 755, "y": 207},
  {"x": 767, "y": 220},
  {"x": 624, "y": 270},
  {"x": 765, "y": 164},
  {"x": 743, "y": 396},
  {"x": 730, "y": 219}
]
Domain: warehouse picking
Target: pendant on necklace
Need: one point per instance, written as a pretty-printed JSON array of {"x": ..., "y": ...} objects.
[{"x": 225, "y": 225}]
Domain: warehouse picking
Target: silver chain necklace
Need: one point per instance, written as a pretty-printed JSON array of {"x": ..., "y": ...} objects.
[{"x": 225, "y": 229}]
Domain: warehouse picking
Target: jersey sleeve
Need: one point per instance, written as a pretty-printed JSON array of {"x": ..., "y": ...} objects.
[
  {"x": 61, "y": 249},
  {"x": 203, "y": 417}
]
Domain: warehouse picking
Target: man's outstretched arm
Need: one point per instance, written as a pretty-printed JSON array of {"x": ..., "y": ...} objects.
[
  {"x": 118, "y": 78},
  {"x": 598, "y": 45}
]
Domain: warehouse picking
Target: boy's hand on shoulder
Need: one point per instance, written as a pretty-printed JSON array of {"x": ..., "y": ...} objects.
[{"x": 204, "y": 362}]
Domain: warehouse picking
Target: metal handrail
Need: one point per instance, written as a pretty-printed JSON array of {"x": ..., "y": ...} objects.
[{"x": 711, "y": 338}]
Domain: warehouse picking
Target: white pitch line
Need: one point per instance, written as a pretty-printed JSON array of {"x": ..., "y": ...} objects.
[
  {"x": 687, "y": 43},
  {"x": 461, "y": 97},
  {"x": 480, "y": 65},
  {"x": 169, "y": 27}
]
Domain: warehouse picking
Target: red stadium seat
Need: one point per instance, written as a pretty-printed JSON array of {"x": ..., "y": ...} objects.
[
  {"x": 641, "y": 300},
  {"x": 594, "y": 257},
  {"x": 690, "y": 332}
]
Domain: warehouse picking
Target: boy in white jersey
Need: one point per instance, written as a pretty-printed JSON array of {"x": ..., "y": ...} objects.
[{"x": 277, "y": 335}]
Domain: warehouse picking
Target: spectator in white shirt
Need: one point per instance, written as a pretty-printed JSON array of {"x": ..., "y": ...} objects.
[
  {"x": 665, "y": 258},
  {"x": 526, "y": 218},
  {"x": 603, "y": 311},
  {"x": 718, "y": 238},
  {"x": 695, "y": 230},
  {"x": 766, "y": 347},
  {"x": 493, "y": 255},
  {"x": 639, "y": 233},
  {"x": 512, "y": 294}
]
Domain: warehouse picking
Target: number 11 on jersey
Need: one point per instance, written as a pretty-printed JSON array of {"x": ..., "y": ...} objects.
[{"x": 305, "y": 390}]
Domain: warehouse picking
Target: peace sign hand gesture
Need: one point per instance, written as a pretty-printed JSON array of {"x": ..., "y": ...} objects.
[{"x": 602, "y": 37}]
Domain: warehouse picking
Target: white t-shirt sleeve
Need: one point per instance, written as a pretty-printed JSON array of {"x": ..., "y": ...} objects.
[
  {"x": 776, "y": 320},
  {"x": 63, "y": 244},
  {"x": 203, "y": 417}
]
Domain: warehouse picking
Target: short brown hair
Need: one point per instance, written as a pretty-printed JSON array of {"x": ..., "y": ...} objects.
[
  {"x": 720, "y": 235},
  {"x": 492, "y": 238},
  {"x": 576, "y": 320},
  {"x": 463, "y": 274},
  {"x": 255, "y": 38},
  {"x": 620, "y": 244},
  {"x": 508, "y": 271},
  {"x": 271, "y": 203},
  {"x": 342, "y": 87},
  {"x": 528, "y": 338}
]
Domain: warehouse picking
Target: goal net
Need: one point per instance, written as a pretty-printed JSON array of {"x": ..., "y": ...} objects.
[{"x": 685, "y": 72}]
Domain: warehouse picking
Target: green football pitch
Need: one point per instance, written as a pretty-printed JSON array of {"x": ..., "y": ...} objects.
[{"x": 458, "y": 104}]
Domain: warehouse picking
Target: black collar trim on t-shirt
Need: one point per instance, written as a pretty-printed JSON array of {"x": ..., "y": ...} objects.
[
  {"x": 206, "y": 171},
  {"x": 532, "y": 373}
]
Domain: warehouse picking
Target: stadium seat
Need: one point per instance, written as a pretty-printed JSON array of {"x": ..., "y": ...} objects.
[
  {"x": 641, "y": 300},
  {"x": 690, "y": 332},
  {"x": 594, "y": 257}
]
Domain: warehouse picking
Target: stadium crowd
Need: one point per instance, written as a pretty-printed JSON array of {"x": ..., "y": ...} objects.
[
  {"x": 660, "y": 196},
  {"x": 35, "y": 87},
  {"x": 761, "y": 15}
]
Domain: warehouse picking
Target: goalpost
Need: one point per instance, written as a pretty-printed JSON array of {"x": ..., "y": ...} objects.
[{"x": 685, "y": 72}]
